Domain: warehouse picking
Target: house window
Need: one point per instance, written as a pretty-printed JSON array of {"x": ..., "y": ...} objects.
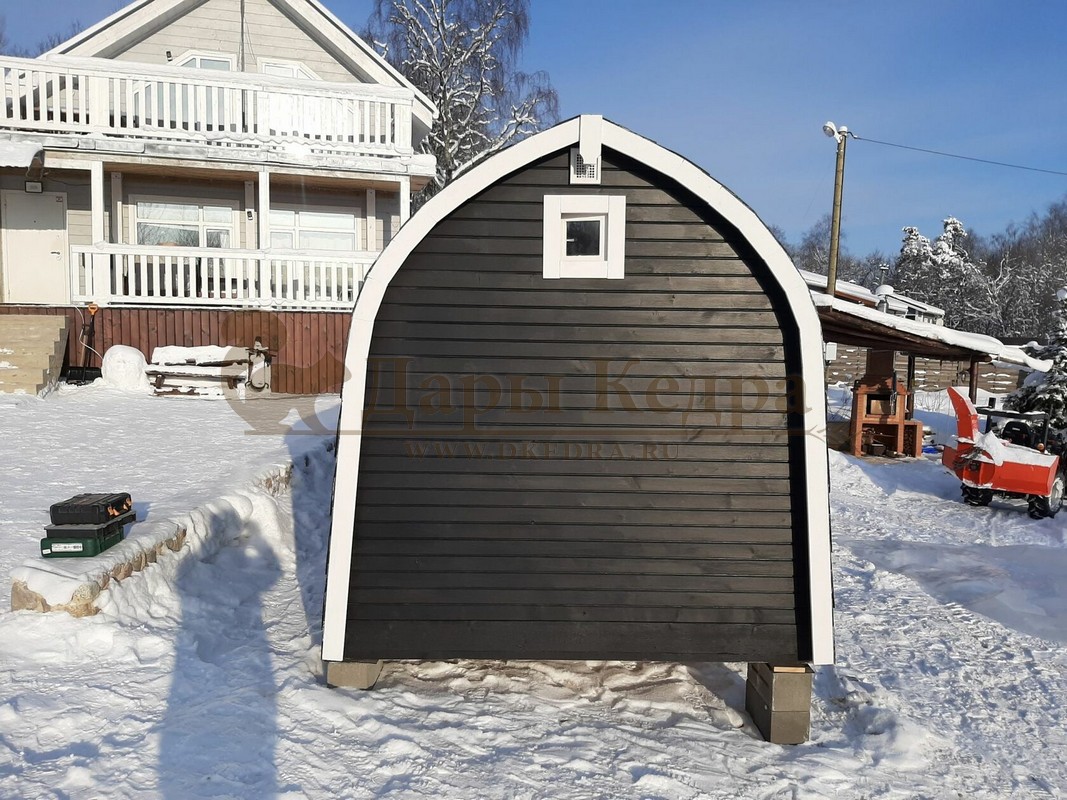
[
  {"x": 287, "y": 69},
  {"x": 183, "y": 223},
  {"x": 221, "y": 62},
  {"x": 584, "y": 236},
  {"x": 322, "y": 229}
]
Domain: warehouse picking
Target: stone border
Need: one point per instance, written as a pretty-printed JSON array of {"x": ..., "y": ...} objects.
[{"x": 88, "y": 587}]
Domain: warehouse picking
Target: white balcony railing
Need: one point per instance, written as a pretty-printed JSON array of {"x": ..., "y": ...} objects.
[
  {"x": 115, "y": 98},
  {"x": 192, "y": 276}
]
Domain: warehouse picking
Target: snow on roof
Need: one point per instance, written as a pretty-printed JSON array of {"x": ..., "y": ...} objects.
[
  {"x": 897, "y": 302},
  {"x": 978, "y": 342},
  {"x": 18, "y": 152}
]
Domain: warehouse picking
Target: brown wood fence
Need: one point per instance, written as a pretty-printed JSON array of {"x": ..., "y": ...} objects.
[{"x": 307, "y": 346}]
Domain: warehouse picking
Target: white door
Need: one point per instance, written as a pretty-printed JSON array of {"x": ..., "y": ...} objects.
[{"x": 35, "y": 248}]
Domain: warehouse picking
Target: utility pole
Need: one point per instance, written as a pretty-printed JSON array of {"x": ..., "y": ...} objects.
[{"x": 841, "y": 136}]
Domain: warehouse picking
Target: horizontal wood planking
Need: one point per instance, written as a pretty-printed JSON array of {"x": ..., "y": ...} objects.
[
  {"x": 540, "y": 454},
  {"x": 575, "y": 550},
  {"x": 653, "y": 485},
  {"x": 566, "y": 364},
  {"x": 576, "y": 294},
  {"x": 470, "y": 316},
  {"x": 589, "y": 598},
  {"x": 428, "y": 347},
  {"x": 551, "y": 582},
  {"x": 586, "y": 495},
  {"x": 626, "y": 318},
  {"x": 584, "y": 383},
  {"x": 570, "y": 515},
  {"x": 396, "y": 437},
  {"x": 695, "y": 533},
  {"x": 571, "y": 640},
  {"x": 540, "y": 612},
  {"x": 482, "y": 330}
]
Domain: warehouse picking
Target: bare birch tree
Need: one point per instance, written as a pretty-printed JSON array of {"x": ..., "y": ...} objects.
[{"x": 463, "y": 55}]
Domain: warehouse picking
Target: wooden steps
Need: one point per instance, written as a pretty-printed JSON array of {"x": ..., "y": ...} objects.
[{"x": 31, "y": 352}]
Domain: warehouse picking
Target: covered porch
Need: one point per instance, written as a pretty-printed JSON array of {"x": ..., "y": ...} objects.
[
  {"x": 140, "y": 232},
  {"x": 883, "y": 406}
]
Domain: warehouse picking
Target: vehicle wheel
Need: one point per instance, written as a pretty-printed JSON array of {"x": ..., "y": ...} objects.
[
  {"x": 976, "y": 497},
  {"x": 1041, "y": 507}
]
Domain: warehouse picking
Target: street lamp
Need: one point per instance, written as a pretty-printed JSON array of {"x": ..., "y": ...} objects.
[{"x": 840, "y": 135}]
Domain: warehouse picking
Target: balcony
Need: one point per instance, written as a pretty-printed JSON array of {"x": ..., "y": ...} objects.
[
  {"x": 174, "y": 105},
  {"x": 141, "y": 275}
]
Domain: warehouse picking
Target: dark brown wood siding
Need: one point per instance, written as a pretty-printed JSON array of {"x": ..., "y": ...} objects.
[
  {"x": 307, "y": 346},
  {"x": 580, "y": 468}
]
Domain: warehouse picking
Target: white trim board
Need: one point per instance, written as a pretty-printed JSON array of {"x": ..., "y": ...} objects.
[{"x": 476, "y": 180}]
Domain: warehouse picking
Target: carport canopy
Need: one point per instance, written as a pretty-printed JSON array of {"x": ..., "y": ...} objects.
[{"x": 849, "y": 323}]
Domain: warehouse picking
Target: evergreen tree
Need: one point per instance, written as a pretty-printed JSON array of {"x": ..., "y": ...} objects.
[{"x": 1048, "y": 392}]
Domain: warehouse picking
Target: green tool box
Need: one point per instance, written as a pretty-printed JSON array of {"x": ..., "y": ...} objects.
[
  {"x": 78, "y": 546},
  {"x": 84, "y": 540}
]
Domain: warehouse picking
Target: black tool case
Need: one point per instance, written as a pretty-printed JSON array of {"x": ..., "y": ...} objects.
[
  {"x": 90, "y": 509},
  {"x": 90, "y": 530}
]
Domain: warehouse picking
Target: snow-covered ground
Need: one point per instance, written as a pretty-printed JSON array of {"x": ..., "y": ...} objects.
[{"x": 200, "y": 677}]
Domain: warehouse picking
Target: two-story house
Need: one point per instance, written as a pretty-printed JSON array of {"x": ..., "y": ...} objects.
[{"x": 206, "y": 172}]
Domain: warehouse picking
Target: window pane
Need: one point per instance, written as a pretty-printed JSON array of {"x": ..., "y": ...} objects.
[
  {"x": 281, "y": 239},
  {"x": 215, "y": 63},
  {"x": 321, "y": 240},
  {"x": 218, "y": 214},
  {"x": 281, "y": 70},
  {"x": 217, "y": 238},
  {"x": 178, "y": 212},
  {"x": 167, "y": 235},
  {"x": 325, "y": 219},
  {"x": 283, "y": 219},
  {"x": 583, "y": 237}
]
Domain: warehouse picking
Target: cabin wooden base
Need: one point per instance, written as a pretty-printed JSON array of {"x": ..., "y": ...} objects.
[
  {"x": 353, "y": 674},
  {"x": 778, "y": 698}
]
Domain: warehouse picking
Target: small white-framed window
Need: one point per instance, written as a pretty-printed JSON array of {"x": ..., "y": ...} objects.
[
  {"x": 287, "y": 69},
  {"x": 584, "y": 236},
  {"x": 324, "y": 228},
  {"x": 168, "y": 222},
  {"x": 203, "y": 59}
]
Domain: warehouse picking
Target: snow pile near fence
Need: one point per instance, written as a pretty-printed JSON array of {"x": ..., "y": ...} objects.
[{"x": 123, "y": 367}]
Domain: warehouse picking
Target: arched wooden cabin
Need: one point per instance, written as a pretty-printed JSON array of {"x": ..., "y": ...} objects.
[{"x": 583, "y": 418}]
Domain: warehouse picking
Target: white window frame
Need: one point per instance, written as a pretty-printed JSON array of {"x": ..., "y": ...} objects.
[
  {"x": 227, "y": 57},
  {"x": 201, "y": 224},
  {"x": 357, "y": 220},
  {"x": 298, "y": 66},
  {"x": 610, "y": 211}
]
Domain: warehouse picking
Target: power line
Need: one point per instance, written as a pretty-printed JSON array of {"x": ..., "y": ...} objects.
[{"x": 954, "y": 155}]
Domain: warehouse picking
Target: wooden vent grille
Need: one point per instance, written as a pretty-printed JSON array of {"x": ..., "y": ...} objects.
[{"x": 583, "y": 171}]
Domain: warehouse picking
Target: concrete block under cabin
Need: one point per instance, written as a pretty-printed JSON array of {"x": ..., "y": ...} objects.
[
  {"x": 584, "y": 418},
  {"x": 778, "y": 698}
]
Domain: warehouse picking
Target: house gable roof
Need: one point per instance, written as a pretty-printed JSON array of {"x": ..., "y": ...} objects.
[{"x": 128, "y": 24}]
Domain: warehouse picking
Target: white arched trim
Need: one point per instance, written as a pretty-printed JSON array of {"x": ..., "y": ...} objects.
[{"x": 476, "y": 180}]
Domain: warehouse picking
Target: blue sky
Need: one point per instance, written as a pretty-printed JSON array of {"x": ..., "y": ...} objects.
[{"x": 743, "y": 88}]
